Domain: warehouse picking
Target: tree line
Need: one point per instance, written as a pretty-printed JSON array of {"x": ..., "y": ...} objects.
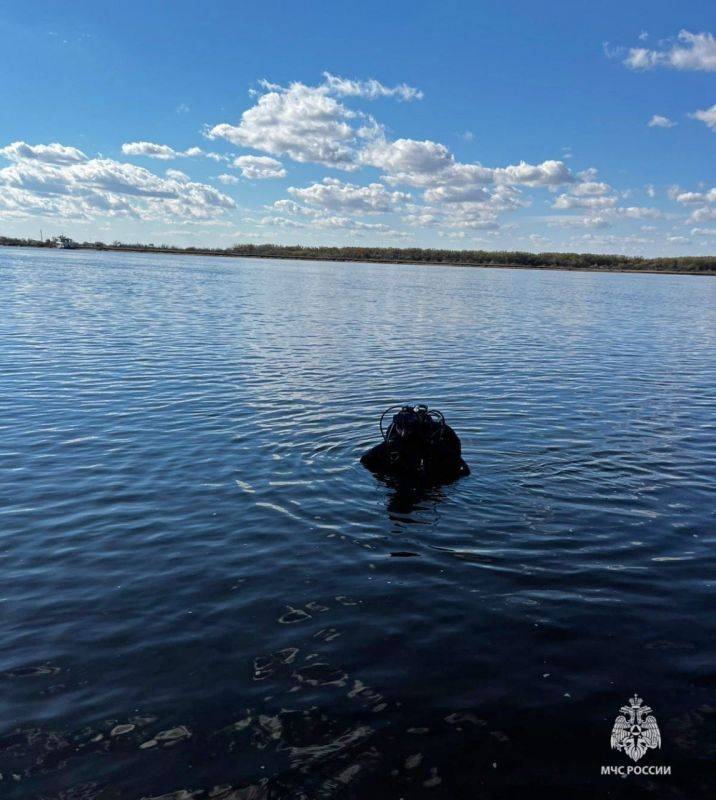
[{"x": 415, "y": 255}]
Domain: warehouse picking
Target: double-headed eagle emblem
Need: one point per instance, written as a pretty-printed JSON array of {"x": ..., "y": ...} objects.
[{"x": 635, "y": 730}]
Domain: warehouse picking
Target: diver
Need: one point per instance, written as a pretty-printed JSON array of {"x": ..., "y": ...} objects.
[{"x": 418, "y": 445}]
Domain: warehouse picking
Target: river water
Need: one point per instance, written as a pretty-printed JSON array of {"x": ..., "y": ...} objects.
[{"x": 204, "y": 591}]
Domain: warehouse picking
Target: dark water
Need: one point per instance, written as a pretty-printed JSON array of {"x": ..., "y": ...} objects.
[{"x": 202, "y": 588}]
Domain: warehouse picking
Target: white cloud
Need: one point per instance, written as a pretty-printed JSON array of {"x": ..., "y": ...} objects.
[
  {"x": 336, "y": 195},
  {"x": 428, "y": 164},
  {"x": 703, "y": 214},
  {"x": 259, "y": 167},
  {"x": 690, "y": 197},
  {"x": 149, "y": 149},
  {"x": 703, "y": 232},
  {"x": 286, "y": 206},
  {"x": 614, "y": 243},
  {"x": 457, "y": 194},
  {"x": 370, "y": 89},
  {"x": 548, "y": 173},
  {"x": 697, "y": 197},
  {"x": 422, "y": 164},
  {"x": 658, "y": 121},
  {"x": 91, "y": 187},
  {"x": 591, "y": 189},
  {"x": 45, "y": 153},
  {"x": 571, "y": 221},
  {"x": 691, "y": 51},
  {"x": 707, "y": 116},
  {"x": 538, "y": 239},
  {"x": 640, "y": 58},
  {"x": 349, "y": 223},
  {"x": 640, "y": 212},
  {"x": 281, "y": 222},
  {"x": 228, "y": 180},
  {"x": 302, "y": 122},
  {"x": 569, "y": 201},
  {"x": 177, "y": 175},
  {"x": 321, "y": 222},
  {"x": 163, "y": 152},
  {"x": 462, "y": 216}
]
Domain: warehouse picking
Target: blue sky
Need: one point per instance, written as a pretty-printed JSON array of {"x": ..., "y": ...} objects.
[{"x": 496, "y": 125}]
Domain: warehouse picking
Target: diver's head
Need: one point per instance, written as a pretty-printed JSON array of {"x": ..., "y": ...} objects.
[{"x": 410, "y": 438}]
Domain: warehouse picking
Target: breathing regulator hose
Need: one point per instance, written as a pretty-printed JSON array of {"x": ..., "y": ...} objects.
[{"x": 420, "y": 410}]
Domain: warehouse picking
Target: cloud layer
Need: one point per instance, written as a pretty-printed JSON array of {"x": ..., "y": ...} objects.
[
  {"x": 400, "y": 188},
  {"x": 55, "y": 180}
]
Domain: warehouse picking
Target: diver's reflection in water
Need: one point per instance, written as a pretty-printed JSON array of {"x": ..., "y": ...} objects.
[{"x": 411, "y": 502}]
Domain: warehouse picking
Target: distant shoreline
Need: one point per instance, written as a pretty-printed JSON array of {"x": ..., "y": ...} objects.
[{"x": 335, "y": 254}]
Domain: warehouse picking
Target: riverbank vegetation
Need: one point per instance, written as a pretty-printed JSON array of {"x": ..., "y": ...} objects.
[{"x": 414, "y": 255}]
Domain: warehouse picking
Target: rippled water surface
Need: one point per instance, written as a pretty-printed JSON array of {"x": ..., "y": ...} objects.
[{"x": 202, "y": 590}]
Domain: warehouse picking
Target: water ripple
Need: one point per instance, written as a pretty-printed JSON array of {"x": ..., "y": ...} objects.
[{"x": 205, "y": 595}]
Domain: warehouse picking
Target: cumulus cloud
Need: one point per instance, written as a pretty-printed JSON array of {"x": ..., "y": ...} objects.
[
  {"x": 308, "y": 124},
  {"x": 177, "y": 175},
  {"x": 591, "y": 189},
  {"x": 227, "y": 180},
  {"x": 44, "y": 153},
  {"x": 658, "y": 121},
  {"x": 706, "y": 202},
  {"x": 690, "y": 51},
  {"x": 457, "y": 194},
  {"x": 703, "y": 214},
  {"x": 335, "y": 195},
  {"x": 429, "y": 164},
  {"x": 709, "y": 196},
  {"x": 640, "y": 212},
  {"x": 162, "y": 151},
  {"x": 421, "y": 164},
  {"x": 149, "y": 149},
  {"x": 707, "y": 116},
  {"x": 259, "y": 167},
  {"x": 571, "y": 201},
  {"x": 302, "y": 122},
  {"x": 54, "y": 180},
  {"x": 548, "y": 173},
  {"x": 461, "y": 217},
  {"x": 313, "y": 124}
]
